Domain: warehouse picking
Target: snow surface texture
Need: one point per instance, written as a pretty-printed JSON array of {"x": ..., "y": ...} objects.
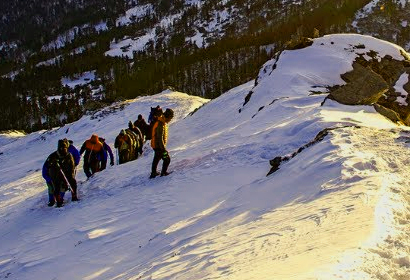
[{"x": 338, "y": 210}]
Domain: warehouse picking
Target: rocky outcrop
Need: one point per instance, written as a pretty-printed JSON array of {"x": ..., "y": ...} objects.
[
  {"x": 388, "y": 113},
  {"x": 363, "y": 87},
  {"x": 371, "y": 82},
  {"x": 298, "y": 43}
]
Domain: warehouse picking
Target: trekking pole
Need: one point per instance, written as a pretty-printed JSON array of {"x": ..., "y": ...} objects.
[{"x": 65, "y": 178}]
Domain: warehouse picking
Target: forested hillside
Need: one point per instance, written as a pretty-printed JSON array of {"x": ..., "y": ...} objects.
[{"x": 142, "y": 47}]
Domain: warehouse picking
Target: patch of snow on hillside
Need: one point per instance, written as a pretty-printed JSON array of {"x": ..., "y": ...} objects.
[
  {"x": 12, "y": 74},
  {"x": 403, "y": 2},
  {"x": 102, "y": 26},
  {"x": 127, "y": 46},
  {"x": 67, "y": 37},
  {"x": 214, "y": 26},
  {"x": 398, "y": 87},
  {"x": 195, "y": 2},
  {"x": 364, "y": 12},
  {"x": 4, "y": 45},
  {"x": 134, "y": 13},
  {"x": 82, "y": 79},
  {"x": 53, "y": 61},
  {"x": 62, "y": 39}
]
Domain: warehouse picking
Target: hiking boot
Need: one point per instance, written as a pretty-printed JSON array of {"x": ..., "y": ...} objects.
[
  {"x": 59, "y": 204},
  {"x": 165, "y": 173},
  {"x": 153, "y": 175},
  {"x": 74, "y": 198},
  {"x": 50, "y": 203}
]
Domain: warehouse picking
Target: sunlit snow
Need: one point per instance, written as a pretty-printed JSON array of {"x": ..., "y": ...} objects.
[{"x": 337, "y": 210}]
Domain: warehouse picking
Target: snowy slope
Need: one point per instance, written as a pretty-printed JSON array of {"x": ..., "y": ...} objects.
[{"x": 338, "y": 210}]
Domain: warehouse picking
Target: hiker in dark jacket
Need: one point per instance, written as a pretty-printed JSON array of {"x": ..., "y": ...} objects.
[
  {"x": 58, "y": 171},
  {"x": 140, "y": 138},
  {"x": 94, "y": 152},
  {"x": 142, "y": 125},
  {"x": 124, "y": 146},
  {"x": 159, "y": 143},
  {"x": 76, "y": 156},
  {"x": 107, "y": 151}
]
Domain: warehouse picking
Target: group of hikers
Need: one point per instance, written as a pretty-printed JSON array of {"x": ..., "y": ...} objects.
[{"x": 59, "y": 169}]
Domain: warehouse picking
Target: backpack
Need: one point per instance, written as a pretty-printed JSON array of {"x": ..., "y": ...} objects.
[
  {"x": 134, "y": 139},
  {"x": 148, "y": 133},
  {"x": 169, "y": 113},
  {"x": 123, "y": 146}
]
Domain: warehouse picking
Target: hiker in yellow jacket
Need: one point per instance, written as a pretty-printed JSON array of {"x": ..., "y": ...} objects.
[{"x": 159, "y": 143}]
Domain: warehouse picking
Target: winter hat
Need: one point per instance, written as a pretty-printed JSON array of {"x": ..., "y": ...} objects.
[
  {"x": 62, "y": 144},
  {"x": 169, "y": 113},
  {"x": 140, "y": 117},
  {"x": 94, "y": 139}
]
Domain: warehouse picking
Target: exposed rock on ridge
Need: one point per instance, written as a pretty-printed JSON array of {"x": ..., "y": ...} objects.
[{"x": 371, "y": 82}]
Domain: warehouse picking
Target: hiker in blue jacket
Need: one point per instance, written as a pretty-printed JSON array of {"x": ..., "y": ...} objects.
[
  {"x": 74, "y": 152},
  {"x": 58, "y": 171},
  {"x": 107, "y": 151}
]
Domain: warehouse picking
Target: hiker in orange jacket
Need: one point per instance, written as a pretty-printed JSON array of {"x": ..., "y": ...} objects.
[{"x": 94, "y": 154}]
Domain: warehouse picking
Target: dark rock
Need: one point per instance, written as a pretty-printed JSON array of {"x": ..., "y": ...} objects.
[
  {"x": 363, "y": 87},
  {"x": 371, "y": 82},
  {"x": 247, "y": 98},
  {"x": 389, "y": 113},
  {"x": 299, "y": 43},
  {"x": 275, "y": 165}
]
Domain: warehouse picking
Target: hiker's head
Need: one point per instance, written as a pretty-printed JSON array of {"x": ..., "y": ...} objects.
[
  {"x": 122, "y": 132},
  {"x": 169, "y": 114},
  {"x": 94, "y": 139},
  {"x": 139, "y": 117},
  {"x": 62, "y": 146},
  {"x": 158, "y": 113}
]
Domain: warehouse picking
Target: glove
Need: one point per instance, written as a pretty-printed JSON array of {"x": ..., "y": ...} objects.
[{"x": 112, "y": 163}]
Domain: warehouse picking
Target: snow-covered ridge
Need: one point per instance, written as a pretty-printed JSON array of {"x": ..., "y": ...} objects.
[
  {"x": 10, "y": 136},
  {"x": 336, "y": 210}
]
